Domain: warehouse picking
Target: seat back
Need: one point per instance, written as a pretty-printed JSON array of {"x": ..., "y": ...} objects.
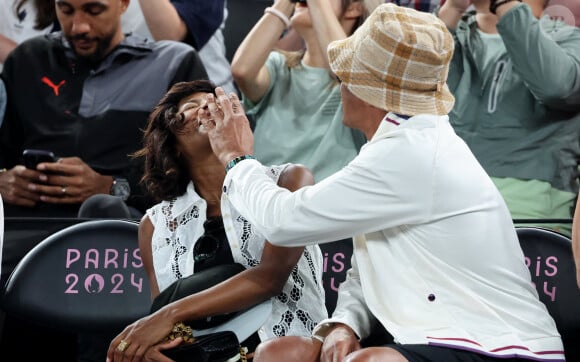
[
  {"x": 548, "y": 255},
  {"x": 87, "y": 277},
  {"x": 21, "y": 234},
  {"x": 337, "y": 257}
]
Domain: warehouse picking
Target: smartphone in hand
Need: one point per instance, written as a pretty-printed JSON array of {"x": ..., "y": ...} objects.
[{"x": 32, "y": 157}]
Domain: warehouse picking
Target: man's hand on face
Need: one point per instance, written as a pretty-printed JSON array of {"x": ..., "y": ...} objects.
[{"x": 228, "y": 127}]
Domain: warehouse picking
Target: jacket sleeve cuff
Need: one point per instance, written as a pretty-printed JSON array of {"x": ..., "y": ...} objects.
[{"x": 323, "y": 328}]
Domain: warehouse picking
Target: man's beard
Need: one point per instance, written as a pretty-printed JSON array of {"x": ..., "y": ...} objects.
[{"x": 103, "y": 45}]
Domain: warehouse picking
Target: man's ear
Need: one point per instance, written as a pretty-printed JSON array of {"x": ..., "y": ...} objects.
[{"x": 354, "y": 10}]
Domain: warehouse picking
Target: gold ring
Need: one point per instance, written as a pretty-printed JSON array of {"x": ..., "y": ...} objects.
[
  {"x": 63, "y": 190},
  {"x": 122, "y": 346}
]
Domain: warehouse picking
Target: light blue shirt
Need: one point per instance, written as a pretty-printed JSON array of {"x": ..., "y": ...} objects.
[{"x": 299, "y": 120}]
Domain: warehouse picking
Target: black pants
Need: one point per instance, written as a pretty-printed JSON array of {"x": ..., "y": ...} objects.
[{"x": 426, "y": 353}]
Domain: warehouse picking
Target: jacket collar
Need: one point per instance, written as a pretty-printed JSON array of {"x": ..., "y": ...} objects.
[
  {"x": 390, "y": 122},
  {"x": 386, "y": 127},
  {"x": 133, "y": 45}
]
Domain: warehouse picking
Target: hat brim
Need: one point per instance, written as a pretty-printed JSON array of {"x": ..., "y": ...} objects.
[{"x": 384, "y": 92}]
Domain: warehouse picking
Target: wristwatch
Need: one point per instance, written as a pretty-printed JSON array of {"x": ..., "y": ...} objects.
[{"x": 121, "y": 188}]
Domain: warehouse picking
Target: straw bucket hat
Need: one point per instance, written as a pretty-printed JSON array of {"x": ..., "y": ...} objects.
[{"x": 397, "y": 60}]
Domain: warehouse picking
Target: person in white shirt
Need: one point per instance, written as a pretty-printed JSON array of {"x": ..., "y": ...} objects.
[{"x": 436, "y": 259}]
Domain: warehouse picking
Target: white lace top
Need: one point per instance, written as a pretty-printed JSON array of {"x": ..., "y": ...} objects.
[{"x": 179, "y": 223}]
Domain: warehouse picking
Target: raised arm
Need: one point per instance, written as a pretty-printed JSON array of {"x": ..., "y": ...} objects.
[
  {"x": 249, "y": 61},
  {"x": 548, "y": 60},
  {"x": 168, "y": 20},
  {"x": 452, "y": 10},
  {"x": 328, "y": 27}
]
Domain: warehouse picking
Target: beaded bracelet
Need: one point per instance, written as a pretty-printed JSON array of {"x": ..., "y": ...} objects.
[
  {"x": 280, "y": 15},
  {"x": 493, "y": 5},
  {"x": 237, "y": 160}
]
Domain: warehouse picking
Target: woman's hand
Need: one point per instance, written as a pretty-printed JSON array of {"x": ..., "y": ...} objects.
[{"x": 140, "y": 341}]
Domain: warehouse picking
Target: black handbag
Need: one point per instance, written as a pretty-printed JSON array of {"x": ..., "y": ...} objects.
[
  {"x": 213, "y": 265},
  {"x": 195, "y": 283},
  {"x": 220, "y": 346}
]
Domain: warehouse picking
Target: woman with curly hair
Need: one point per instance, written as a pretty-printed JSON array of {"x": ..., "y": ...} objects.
[{"x": 185, "y": 177}]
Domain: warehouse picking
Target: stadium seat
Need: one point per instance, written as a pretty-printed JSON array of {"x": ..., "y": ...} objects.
[
  {"x": 87, "y": 277},
  {"x": 549, "y": 257}
]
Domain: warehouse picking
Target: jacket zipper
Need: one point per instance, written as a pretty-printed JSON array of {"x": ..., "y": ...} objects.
[{"x": 495, "y": 86}]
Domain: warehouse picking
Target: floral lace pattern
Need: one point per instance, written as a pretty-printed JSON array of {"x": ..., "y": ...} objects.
[{"x": 179, "y": 223}]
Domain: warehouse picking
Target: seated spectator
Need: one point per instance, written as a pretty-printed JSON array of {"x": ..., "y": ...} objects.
[
  {"x": 95, "y": 67},
  {"x": 515, "y": 80},
  {"x": 85, "y": 94},
  {"x": 23, "y": 19},
  {"x": 294, "y": 98},
  {"x": 436, "y": 261},
  {"x": 182, "y": 173},
  {"x": 199, "y": 23}
]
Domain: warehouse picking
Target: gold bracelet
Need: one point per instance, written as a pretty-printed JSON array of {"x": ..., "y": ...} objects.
[{"x": 181, "y": 330}]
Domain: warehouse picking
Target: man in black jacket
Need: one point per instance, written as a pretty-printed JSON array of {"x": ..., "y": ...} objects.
[{"x": 84, "y": 94}]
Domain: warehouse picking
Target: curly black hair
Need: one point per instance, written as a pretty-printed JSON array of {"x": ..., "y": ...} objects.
[{"x": 165, "y": 175}]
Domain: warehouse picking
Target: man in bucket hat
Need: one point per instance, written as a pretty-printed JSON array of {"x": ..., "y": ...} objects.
[{"x": 436, "y": 259}]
